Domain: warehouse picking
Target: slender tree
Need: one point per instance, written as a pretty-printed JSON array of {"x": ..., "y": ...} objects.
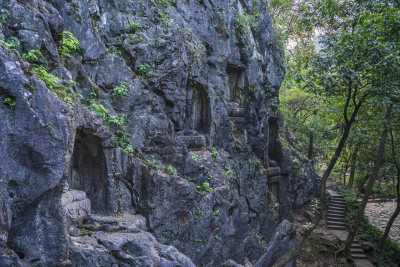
[
  {"x": 371, "y": 181},
  {"x": 397, "y": 210}
]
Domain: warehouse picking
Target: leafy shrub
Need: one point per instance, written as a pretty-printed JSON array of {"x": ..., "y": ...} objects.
[
  {"x": 68, "y": 44},
  {"x": 14, "y": 43},
  {"x": 121, "y": 90}
]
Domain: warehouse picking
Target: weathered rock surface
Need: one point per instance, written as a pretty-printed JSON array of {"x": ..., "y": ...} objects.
[{"x": 188, "y": 167}]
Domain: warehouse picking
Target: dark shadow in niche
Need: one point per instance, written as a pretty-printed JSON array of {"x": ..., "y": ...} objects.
[
  {"x": 88, "y": 171},
  {"x": 237, "y": 83},
  {"x": 274, "y": 147},
  {"x": 198, "y": 111}
]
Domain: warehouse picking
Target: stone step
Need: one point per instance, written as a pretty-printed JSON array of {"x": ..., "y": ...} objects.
[
  {"x": 356, "y": 246},
  {"x": 359, "y": 256},
  {"x": 337, "y": 227},
  {"x": 192, "y": 142},
  {"x": 273, "y": 171},
  {"x": 238, "y": 119},
  {"x": 342, "y": 211},
  {"x": 341, "y": 201},
  {"x": 336, "y": 223},
  {"x": 356, "y": 250},
  {"x": 336, "y": 213},
  {"x": 236, "y": 112},
  {"x": 337, "y": 207},
  {"x": 335, "y": 219},
  {"x": 337, "y": 203}
]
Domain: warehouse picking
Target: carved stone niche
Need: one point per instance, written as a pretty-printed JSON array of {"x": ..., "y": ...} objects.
[
  {"x": 88, "y": 171},
  {"x": 273, "y": 188},
  {"x": 198, "y": 110},
  {"x": 275, "y": 153},
  {"x": 237, "y": 84}
]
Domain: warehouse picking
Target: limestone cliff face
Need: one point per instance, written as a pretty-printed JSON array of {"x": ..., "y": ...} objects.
[{"x": 182, "y": 166}]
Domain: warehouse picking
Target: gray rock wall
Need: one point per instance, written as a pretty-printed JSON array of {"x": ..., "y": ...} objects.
[{"x": 198, "y": 154}]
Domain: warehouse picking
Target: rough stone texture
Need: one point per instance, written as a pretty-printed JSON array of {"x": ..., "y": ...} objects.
[
  {"x": 196, "y": 80},
  {"x": 76, "y": 206},
  {"x": 304, "y": 182},
  {"x": 283, "y": 240},
  {"x": 379, "y": 215}
]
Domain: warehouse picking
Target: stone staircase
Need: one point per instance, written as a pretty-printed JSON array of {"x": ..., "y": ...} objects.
[
  {"x": 335, "y": 219},
  {"x": 336, "y": 213}
]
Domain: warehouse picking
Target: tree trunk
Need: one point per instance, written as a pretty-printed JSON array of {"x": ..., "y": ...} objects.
[
  {"x": 388, "y": 226},
  {"x": 353, "y": 162},
  {"x": 397, "y": 211},
  {"x": 371, "y": 182},
  {"x": 338, "y": 150},
  {"x": 346, "y": 167},
  {"x": 310, "y": 146}
]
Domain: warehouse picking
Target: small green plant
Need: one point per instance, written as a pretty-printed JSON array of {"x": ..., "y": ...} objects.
[
  {"x": 143, "y": 69},
  {"x": 3, "y": 15},
  {"x": 198, "y": 250},
  {"x": 14, "y": 43},
  {"x": 214, "y": 153},
  {"x": 134, "y": 26},
  {"x": 165, "y": 3},
  {"x": 229, "y": 173},
  {"x": 205, "y": 186},
  {"x": 123, "y": 143},
  {"x": 121, "y": 90},
  {"x": 32, "y": 56},
  {"x": 108, "y": 119},
  {"x": 171, "y": 170},
  {"x": 68, "y": 44},
  {"x": 198, "y": 212},
  {"x": 196, "y": 158},
  {"x": 198, "y": 240},
  {"x": 242, "y": 25},
  {"x": 152, "y": 162},
  {"x": 216, "y": 237},
  {"x": 164, "y": 18},
  {"x": 216, "y": 213},
  {"x": 9, "y": 102},
  {"x": 49, "y": 79}
]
